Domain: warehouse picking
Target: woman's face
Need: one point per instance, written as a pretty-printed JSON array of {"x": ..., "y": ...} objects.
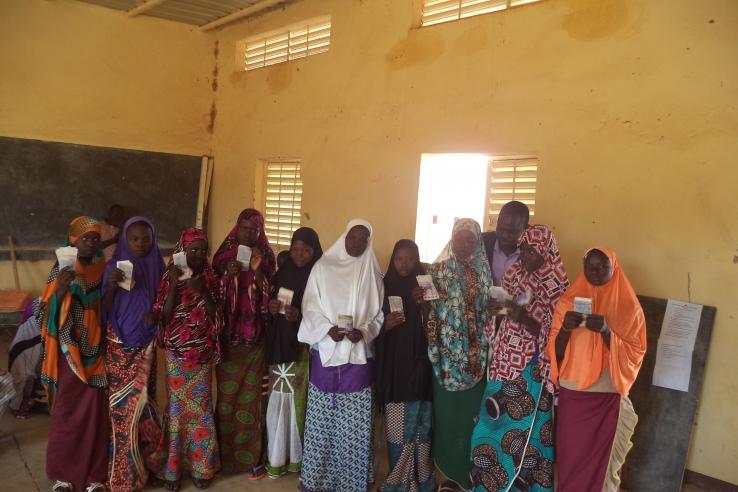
[
  {"x": 247, "y": 233},
  {"x": 463, "y": 244},
  {"x": 301, "y": 253},
  {"x": 197, "y": 255},
  {"x": 87, "y": 244},
  {"x": 597, "y": 268},
  {"x": 139, "y": 238},
  {"x": 530, "y": 258},
  {"x": 357, "y": 240},
  {"x": 405, "y": 262}
]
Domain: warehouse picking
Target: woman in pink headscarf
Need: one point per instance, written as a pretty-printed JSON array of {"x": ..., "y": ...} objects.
[{"x": 247, "y": 287}]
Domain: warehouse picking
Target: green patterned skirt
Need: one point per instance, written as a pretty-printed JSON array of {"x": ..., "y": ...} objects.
[{"x": 240, "y": 408}]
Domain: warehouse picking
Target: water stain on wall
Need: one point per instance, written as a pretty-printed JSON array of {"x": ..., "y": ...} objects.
[
  {"x": 279, "y": 77},
  {"x": 214, "y": 87},
  {"x": 420, "y": 47},
  {"x": 588, "y": 20}
]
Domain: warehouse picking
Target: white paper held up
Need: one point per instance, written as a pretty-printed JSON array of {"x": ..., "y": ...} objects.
[
  {"x": 429, "y": 290},
  {"x": 244, "y": 256},
  {"x": 180, "y": 260},
  {"x": 395, "y": 304},
  {"x": 285, "y": 297},
  {"x": 126, "y": 267},
  {"x": 66, "y": 256}
]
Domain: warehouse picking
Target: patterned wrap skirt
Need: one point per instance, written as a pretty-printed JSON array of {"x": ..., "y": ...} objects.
[
  {"x": 338, "y": 442},
  {"x": 134, "y": 417},
  {"x": 189, "y": 443},
  {"x": 240, "y": 408},
  {"x": 408, "y": 427},
  {"x": 512, "y": 443}
]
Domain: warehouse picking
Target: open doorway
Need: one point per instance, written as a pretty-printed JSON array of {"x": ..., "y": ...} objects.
[{"x": 453, "y": 186}]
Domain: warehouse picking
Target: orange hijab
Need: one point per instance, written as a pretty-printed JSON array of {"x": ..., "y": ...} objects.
[
  {"x": 80, "y": 343},
  {"x": 586, "y": 354}
]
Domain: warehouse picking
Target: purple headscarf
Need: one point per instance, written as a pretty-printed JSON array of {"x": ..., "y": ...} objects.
[{"x": 129, "y": 311}]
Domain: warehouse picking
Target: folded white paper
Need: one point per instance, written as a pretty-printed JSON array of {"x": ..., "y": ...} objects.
[
  {"x": 285, "y": 297},
  {"x": 345, "y": 322},
  {"x": 583, "y": 305},
  {"x": 500, "y": 294},
  {"x": 180, "y": 260},
  {"x": 395, "y": 304},
  {"x": 126, "y": 267},
  {"x": 66, "y": 256},
  {"x": 244, "y": 256},
  {"x": 429, "y": 290}
]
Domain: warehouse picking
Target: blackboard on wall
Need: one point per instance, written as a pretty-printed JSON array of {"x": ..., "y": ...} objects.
[
  {"x": 45, "y": 185},
  {"x": 665, "y": 416}
]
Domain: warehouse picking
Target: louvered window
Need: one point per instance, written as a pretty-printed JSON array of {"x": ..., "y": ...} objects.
[
  {"x": 293, "y": 42},
  {"x": 282, "y": 200},
  {"x": 437, "y": 11},
  {"x": 510, "y": 179}
]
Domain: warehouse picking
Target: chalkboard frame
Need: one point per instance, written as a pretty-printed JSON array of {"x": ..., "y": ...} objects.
[{"x": 660, "y": 444}]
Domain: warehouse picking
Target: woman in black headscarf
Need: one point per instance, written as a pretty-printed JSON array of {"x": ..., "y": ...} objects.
[
  {"x": 404, "y": 375},
  {"x": 288, "y": 359}
]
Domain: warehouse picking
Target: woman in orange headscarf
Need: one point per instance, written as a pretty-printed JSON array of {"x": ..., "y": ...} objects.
[
  {"x": 595, "y": 359},
  {"x": 73, "y": 367}
]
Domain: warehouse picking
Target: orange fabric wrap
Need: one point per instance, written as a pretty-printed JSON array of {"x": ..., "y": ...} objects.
[{"x": 586, "y": 354}]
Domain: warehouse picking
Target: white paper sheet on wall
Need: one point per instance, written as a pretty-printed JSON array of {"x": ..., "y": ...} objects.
[{"x": 674, "y": 352}]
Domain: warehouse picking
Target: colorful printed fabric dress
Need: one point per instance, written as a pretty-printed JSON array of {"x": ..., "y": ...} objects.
[
  {"x": 457, "y": 349},
  {"x": 131, "y": 361},
  {"x": 73, "y": 370},
  {"x": 189, "y": 444},
  {"x": 512, "y": 443},
  {"x": 242, "y": 372}
]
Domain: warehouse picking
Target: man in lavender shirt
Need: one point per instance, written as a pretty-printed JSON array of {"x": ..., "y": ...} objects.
[{"x": 501, "y": 244}]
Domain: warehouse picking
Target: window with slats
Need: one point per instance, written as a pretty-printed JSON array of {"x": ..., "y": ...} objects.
[
  {"x": 290, "y": 43},
  {"x": 437, "y": 11},
  {"x": 510, "y": 179},
  {"x": 282, "y": 205}
]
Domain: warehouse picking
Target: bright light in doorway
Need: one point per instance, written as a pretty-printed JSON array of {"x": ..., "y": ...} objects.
[{"x": 452, "y": 186}]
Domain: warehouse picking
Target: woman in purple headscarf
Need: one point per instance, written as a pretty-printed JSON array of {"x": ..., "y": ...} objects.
[{"x": 131, "y": 354}]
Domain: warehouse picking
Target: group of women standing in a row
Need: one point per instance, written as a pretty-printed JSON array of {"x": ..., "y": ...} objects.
[{"x": 491, "y": 367}]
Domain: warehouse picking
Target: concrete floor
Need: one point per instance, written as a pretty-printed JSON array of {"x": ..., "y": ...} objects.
[{"x": 23, "y": 455}]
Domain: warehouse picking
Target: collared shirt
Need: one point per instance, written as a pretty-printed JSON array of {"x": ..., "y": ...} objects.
[{"x": 501, "y": 262}]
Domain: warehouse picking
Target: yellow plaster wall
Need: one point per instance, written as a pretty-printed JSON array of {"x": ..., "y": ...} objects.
[
  {"x": 630, "y": 105},
  {"x": 80, "y": 73}
]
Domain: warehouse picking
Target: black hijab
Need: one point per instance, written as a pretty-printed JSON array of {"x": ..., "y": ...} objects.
[
  {"x": 281, "y": 335},
  {"x": 403, "y": 368}
]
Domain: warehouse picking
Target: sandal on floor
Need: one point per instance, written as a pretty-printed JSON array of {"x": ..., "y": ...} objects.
[
  {"x": 257, "y": 474},
  {"x": 95, "y": 487},
  {"x": 172, "y": 485},
  {"x": 60, "y": 486},
  {"x": 201, "y": 483}
]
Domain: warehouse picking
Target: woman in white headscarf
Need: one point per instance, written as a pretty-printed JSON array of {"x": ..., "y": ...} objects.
[{"x": 342, "y": 314}]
